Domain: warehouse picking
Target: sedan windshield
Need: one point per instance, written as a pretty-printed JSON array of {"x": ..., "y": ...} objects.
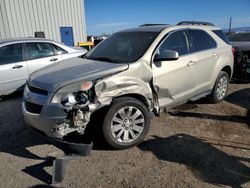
[
  {"x": 240, "y": 37},
  {"x": 123, "y": 47}
]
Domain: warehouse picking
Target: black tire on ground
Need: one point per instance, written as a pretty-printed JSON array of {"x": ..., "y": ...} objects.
[
  {"x": 213, "y": 97},
  {"x": 127, "y": 104}
]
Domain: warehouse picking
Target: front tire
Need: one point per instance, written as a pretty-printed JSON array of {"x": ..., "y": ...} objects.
[
  {"x": 220, "y": 88},
  {"x": 126, "y": 123}
]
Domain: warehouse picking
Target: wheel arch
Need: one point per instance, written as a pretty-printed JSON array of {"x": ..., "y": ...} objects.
[
  {"x": 139, "y": 97},
  {"x": 228, "y": 70}
]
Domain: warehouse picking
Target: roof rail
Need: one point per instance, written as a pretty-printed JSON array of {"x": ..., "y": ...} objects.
[
  {"x": 195, "y": 23},
  {"x": 147, "y": 25}
]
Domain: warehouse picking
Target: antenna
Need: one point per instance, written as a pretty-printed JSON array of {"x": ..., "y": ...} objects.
[{"x": 230, "y": 25}]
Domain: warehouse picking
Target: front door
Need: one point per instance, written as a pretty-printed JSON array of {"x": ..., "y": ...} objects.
[
  {"x": 67, "y": 36},
  {"x": 40, "y": 54},
  {"x": 13, "y": 68},
  {"x": 173, "y": 80}
]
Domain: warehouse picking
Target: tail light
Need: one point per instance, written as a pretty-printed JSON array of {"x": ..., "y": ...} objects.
[{"x": 233, "y": 51}]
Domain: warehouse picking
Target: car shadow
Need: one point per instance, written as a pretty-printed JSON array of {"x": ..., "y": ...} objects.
[
  {"x": 240, "y": 98},
  {"x": 206, "y": 162},
  {"x": 16, "y": 137}
]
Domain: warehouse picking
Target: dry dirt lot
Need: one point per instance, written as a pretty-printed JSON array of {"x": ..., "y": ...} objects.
[{"x": 196, "y": 145}]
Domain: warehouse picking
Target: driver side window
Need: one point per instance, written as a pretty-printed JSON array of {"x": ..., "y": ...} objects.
[{"x": 177, "y": 41}]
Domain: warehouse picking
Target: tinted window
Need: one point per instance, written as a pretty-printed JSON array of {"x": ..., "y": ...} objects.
[
  {"x": 177, "y": 41},
  {"x": 11, "y": 54},
  {"x": 202, "y": 40},
  {"x": 220, "y": 34},
  {"x": 39, "y": 50},
  {"x": 59, "y": 50},
  {"x": 123, "y": 47},
  {"x": 241, "y": 37}
]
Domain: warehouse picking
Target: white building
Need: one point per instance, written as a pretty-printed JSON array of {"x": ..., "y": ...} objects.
[{"x": 59, "y": 20}]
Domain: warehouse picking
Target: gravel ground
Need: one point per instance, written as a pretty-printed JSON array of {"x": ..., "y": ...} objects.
[{"x": 195, "y": 145}]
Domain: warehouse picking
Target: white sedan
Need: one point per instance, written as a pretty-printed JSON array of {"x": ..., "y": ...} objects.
[{"x": 22, "y": 56}]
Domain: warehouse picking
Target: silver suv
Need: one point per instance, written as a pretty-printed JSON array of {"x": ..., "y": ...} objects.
[{"x": 133, "y": 75}]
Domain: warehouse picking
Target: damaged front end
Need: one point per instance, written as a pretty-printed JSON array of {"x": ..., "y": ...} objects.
[
  {"x": 69, "y": 108},
  {"x": 242, "y": 65},
  {"x": 78, "y": 102}
]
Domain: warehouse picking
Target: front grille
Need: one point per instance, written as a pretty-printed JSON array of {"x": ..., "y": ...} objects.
[
  {"x": 37, "y": 90},
  {"x": 33, "y": 108}
]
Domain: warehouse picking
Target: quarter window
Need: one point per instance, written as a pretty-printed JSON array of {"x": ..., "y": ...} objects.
[
  {"x": 11, "y": 54},
  {"x": 59, "y": 50},
  {"x": 220, "y": 34},
  {"x": 177, "y": 41},
  {"x": 202, "y": 40},
  {"x": 39, "y": 50}
]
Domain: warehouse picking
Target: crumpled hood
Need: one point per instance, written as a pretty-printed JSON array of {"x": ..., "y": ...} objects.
[
  {"x": 72, "y": 70},
  {"x": 243, "y": 46}
]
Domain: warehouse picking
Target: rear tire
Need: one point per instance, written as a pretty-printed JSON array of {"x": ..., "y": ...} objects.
[
  {"x": 220, "y": 88},
  {"x": 126, "y": 123}
]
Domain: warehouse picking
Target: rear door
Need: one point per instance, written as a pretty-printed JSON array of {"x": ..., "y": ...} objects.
[
  {"x": 13, "y": 68},
  {"x": 205, "y": 51},
  {"x": 40, "y": 54},
  {"x": 173, "y": 80}
]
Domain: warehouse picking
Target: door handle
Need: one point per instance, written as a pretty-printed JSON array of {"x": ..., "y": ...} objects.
[
  {"x": 190, "y": 63},
  {"x": 17, "y": 67},
  {"x": 215, "y": 54},
  {"x": 53, "y": 59}
]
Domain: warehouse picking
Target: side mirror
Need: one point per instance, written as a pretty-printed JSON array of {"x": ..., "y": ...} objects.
[{"x": 166, "y": 55}]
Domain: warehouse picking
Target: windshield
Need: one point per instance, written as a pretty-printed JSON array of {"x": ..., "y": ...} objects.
[
  {"x": 241, "y": 37},
  {"x": 123, "y": 47}
]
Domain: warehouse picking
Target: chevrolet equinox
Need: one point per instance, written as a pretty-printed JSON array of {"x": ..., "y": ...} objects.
[{"x": 134, "y": 74}]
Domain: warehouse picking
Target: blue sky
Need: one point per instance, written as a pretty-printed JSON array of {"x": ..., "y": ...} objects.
[{"x": 108, "y": 16}]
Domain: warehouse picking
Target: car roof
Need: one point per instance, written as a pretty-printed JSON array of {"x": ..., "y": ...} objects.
[
  {"x": 28, "y": 39},
  {"x": 151, "y": 28},
  {"x": 161, "y": 27}
]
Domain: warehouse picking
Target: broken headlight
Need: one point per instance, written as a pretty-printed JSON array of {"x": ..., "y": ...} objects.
[{"x": 72, "y": 93}]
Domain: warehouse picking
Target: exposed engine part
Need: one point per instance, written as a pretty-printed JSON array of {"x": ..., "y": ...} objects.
[
  {"x": 78, "y": 107},
  {"x": 81, "y": 118},
  {"x": 76, "y": 100}
]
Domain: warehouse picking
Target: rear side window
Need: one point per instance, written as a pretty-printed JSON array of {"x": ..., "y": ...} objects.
[
  {"x": 11, "y": 54},
  {"x": 59, "y": 50},
  {"x": 220, "y": 34},
  {"x": 39, "y": 50},
  {"x": 202, "y": 40},
  {"x": 177, "y": 41}
]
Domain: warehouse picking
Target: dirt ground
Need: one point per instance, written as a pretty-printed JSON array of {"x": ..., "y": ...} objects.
[{"x": 196, "y": 145}]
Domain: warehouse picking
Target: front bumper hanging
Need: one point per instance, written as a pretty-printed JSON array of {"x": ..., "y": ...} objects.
[{"x": 72, "y": 151}]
